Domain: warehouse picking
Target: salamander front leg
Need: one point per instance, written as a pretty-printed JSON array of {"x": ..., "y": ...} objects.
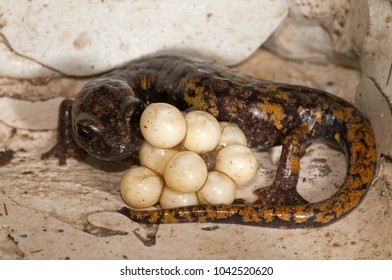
[
  {"x": 66, "y": 146},
  {"x": 283, "y": 191}
]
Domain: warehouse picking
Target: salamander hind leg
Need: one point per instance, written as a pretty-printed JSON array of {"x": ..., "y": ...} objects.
[{"x": 283, "y": 191}]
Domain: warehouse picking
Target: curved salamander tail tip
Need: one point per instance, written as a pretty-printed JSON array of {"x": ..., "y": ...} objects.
[{"x": 144, "y": 216}]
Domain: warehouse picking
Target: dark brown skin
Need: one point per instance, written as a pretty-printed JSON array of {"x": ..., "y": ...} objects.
[
  {"x": 6, "y": 157},
  {"x": 105, "y": 121}
]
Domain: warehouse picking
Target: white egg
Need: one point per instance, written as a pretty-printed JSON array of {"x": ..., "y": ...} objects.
[
  {"x": 173, "y": 199},
  {"x": 231, "y": 135},
  {"x": 238, "y": 162},
  {"x": 162, "y": 125},
  {"x": 203, "y": 132},
  {"x": 141, "y": 187},
  {"x": 155, "y": 158},
  {"x": 218, "y": 189},
  {"x": 185, "y": 172}
]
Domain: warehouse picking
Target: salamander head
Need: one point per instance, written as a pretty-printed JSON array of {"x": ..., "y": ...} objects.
[{"x": 105, "y": 119}]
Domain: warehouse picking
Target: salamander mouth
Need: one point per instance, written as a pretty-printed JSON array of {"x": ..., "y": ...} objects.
[
  {"x": 112, "y": 155},
  {"x": 103, "y": 151},
  {"x": 121, "y": 153}
]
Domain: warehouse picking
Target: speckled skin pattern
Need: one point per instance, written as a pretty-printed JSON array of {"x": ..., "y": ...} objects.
[{"x": 105, "y": 121}]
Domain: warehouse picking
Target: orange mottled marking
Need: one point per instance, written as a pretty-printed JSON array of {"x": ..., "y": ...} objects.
[
  {"x": 283, "y": 214},
  {"x": 276, "y": 113},
  {"x": 268, "y": 215},
  {"x": 170, "y": 218},
  {"x": 249, "y": 102}
]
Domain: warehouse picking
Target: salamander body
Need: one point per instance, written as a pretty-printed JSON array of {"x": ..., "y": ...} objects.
[{"x": 105, "y": 123}]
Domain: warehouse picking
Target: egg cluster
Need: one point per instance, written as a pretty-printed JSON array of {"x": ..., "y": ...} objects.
[{"x": 187, "y": 159}]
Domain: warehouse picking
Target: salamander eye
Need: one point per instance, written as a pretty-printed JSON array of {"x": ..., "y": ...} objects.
[{"x": 85, "y": 133}]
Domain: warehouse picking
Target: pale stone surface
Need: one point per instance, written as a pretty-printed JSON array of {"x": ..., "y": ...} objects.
[
  {"x": 40, "y": 89},
  {"x": 374, "y": 95},
  {"x": 299, "y": 38},
  {"x": 317, "y": 31},
  {"x": 65, "y": 39},
  {"x": 88, "y": 37},
  {"x": 53, "y": 212},
  {"x": 29, "y": 115},
  {"x": 15, "y": 66},
  {"x": 377, "y": 107},
  {"x": 353, "y": 33}
]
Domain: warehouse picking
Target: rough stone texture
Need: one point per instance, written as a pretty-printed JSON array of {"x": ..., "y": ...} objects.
[
  {"x": 14, "y": 65},
  {"x": 40, "y": 89},
  {"x": 53, "y": 212},
  {"x": 343, "y": 31},
  {"x": 88, "y": 37},
  {"x": 316, "y": 31},
  {"x": 377, "y": 107},
  {"x": 17, "y": 113},
  {"x": 41, "y": 39},
  {"x": 374, "y": 95}
]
